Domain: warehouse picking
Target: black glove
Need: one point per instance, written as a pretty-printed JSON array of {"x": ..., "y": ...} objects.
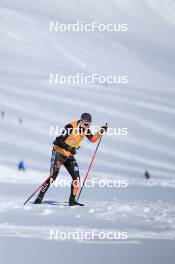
[
  {"x": 72, "y": 150},
  {"x": 103, "y": 129}
]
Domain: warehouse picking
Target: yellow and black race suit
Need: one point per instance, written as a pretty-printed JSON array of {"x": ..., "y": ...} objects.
[{"x": 72, "y": 137}]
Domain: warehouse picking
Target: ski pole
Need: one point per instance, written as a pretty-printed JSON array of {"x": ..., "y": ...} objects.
[
  {"x": 87, "y": 173},
  {"x": 37, "y": 189}
]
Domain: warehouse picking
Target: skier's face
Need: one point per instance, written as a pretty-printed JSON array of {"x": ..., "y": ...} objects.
[{"x": 84, "y": 124}]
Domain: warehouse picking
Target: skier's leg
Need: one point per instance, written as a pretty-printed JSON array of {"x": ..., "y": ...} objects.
[
  {"x": 54, "y": 170},
  {"x": 72, "y": 167}
]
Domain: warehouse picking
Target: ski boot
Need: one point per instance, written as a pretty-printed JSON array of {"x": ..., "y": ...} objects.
[
  {"x": 38, "y": 200},
  {"x": 73, "y": 202}
]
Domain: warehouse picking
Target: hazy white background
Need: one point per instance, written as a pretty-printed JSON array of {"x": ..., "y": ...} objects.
[{"x": 29, "y": 52}]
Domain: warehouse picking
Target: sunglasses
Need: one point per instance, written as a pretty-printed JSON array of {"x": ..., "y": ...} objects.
[{"x": 85, "y": 123}]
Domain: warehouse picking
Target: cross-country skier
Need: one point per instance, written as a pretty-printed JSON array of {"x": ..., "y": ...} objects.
[{"x": 64, "y": 149}]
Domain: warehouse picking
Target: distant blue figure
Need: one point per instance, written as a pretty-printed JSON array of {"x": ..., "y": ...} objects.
[
  {"x": 2, "y": 114},
  {"x": 21, "y": 166},
  {"x": 147, "y": 175}
]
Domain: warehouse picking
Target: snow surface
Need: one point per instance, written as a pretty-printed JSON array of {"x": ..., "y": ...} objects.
[{"x": 146, "y": 106}]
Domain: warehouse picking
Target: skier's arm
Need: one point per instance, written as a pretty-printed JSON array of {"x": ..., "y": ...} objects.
[
  {"x": 60, "y": 141},
  {"x": 91, "y": 137}
]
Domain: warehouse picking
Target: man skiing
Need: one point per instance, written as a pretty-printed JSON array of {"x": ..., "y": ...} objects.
[{"x": 64, "y": 149}]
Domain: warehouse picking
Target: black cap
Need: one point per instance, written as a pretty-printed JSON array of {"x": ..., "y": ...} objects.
[{"x": 86, "y": 117}]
